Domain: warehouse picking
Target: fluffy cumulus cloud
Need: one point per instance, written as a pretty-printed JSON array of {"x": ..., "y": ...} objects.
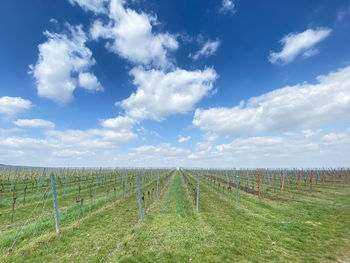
[
  {"x": 89, "y": 81},
  {"x": 227, "y": 6},
  {"x": 120, "y": 122},
  {"x": 131, "y": 36},
  {"x": 34, "y": 123},
  {"x": 162, "y": 89},
  {"x": 297, "y": 43},
  {"x": 290, "y": 108},
  {"x": 160, "y": 94},
  {"x": 11, "y": 106},
  {"x": 61, "y": 58},
  {"x": 184, "y": 138},
  {"x": 208, "y": 49}
]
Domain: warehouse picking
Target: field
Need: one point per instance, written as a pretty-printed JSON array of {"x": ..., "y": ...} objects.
[{"x": 252, "y": 215}]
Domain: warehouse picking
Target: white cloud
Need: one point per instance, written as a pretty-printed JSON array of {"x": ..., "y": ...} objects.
[
  {"x": 310, "y": 133},
  {"x": 184, "y": 139},
  {"x": 161, "y": 94},
  {"x": 164, "y": 155},
  {"x": 311, "y": 52},
  {"x": 120, "y": 122},
  {"x": 204, "y": 147},
  {"x": 296, "y": 43},
  {"x": 95, "y": 148},
  {"x": 53, "y": 21},
  {"x": 11, "y": 106},
  {"x": 132, "y": 36},
  {"x": 22, "y": 142},
  {"x": 241, "y": 145},
  {"x": 208, "y": 49},
  {"x": 227, "y": 6},
  {"x": 92, "y": 147},
  {"x": 287, "y": 151},
  {"x": 69, "y": 153},
  {"x": 34, "y": 123},
  {"x": 210, "y": 136},
  {"x": 262, "y": 151},
  {"x": 91, "y": 139},
  {"x": 89, "y": 81},
  {"x": 96, "y": 6},
  {"x": 332, "y": 136},
  {"x": 60, "y": 58},
  {"x": 290, "y": 108}
]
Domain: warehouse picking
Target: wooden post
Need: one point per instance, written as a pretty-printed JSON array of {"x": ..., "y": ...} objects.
[
  {"x": 299, "y": 180},
  {"x": 55, "y": 209},
  {"x": 341, "y": 175},
  {"x": 333, "y": 177},
  {"x": 13, "y": 208},
  {"x": 323, "y": 177},
  {"x": 13, "y": 180},
  {"x": 24, "y": 195},
  {"x": 248, "y": 181},
  {"x": 311, "y": 177},
  {"x": 347, "y": 175},
  {"x": 259, "y": 186},
  {"x": 139, "y": 194},
  {"x": 81, "y": 201},
  {"x": 282, "y": 186},
  {"x": 98, "y": 179}
]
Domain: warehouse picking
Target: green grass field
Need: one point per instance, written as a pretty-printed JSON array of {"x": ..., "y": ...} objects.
[{"x": 311, "y": 226}]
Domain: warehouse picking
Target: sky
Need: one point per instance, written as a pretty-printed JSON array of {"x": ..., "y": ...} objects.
[{"x": 189, "y": 83}]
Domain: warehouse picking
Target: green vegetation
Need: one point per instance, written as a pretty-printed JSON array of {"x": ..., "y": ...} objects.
[{"x": 310, "y": 226}]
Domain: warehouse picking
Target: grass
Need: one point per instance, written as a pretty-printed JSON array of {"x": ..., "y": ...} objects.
[
  {"x": 311, "y": 226},
  {"x": 42, "y": 229}
]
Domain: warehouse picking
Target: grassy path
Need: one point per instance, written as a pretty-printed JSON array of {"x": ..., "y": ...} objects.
[{"x": 173, "y": 232}]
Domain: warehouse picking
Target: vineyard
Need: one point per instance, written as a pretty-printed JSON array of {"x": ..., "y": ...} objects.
[{"x": 174, "y": 215}]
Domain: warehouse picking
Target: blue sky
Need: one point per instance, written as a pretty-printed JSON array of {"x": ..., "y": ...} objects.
[{"x": 217, "y": 83}]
